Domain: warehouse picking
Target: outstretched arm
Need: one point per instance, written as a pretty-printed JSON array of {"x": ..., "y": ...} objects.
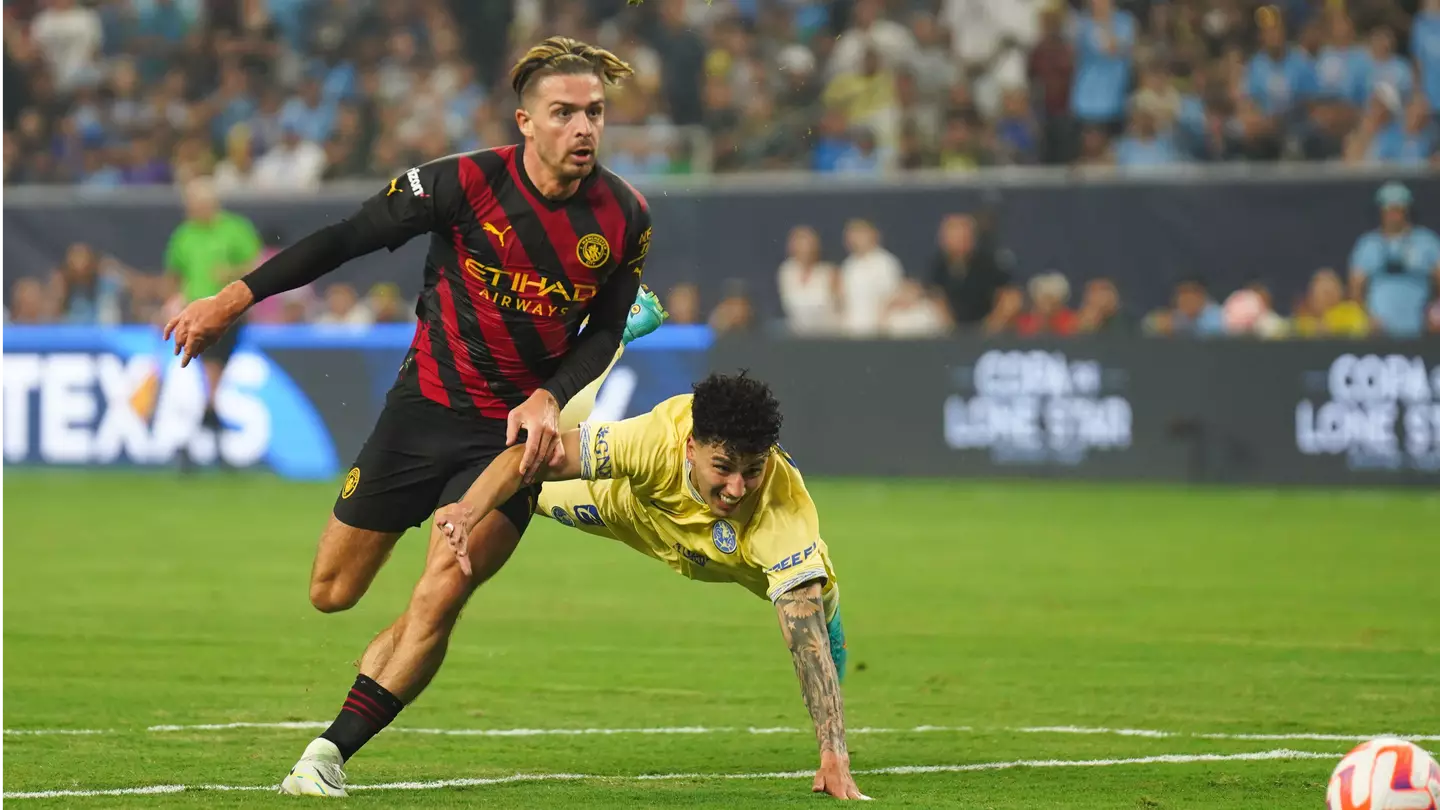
[
  {"x": 501, "y": 480},
  {"x": 802, "y": 621}
]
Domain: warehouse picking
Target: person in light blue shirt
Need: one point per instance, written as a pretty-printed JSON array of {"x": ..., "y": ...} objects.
[
  {"x": 1340, "y": 69},
  {"x": 1145, "y": 147},
  {"x": 1280, "y": 76},
  {"x": 1383, "y": 67},
  {"x": 1425, "y": 48},
  {"x": 1394, "y": 267},
  {"x": 1410, "y": 142},
  {"x": 1104, "y": 40}
]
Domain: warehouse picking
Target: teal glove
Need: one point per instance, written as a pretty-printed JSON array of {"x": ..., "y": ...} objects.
[{"x": 837, "y": 645}]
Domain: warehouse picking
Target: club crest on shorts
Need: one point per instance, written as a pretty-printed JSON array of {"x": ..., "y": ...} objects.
[
  {"x": 592, "y": 250},
  {"x": 724, "y": 536},
  {"x": 562, "y": 517},
  {"x": 352, "y": 480}
]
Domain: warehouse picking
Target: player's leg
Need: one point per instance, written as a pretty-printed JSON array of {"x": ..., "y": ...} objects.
[
  {"x": 391, "y": 488},
  {"x": 346, "y": 562},
  {"x": 404, "y": 657}
]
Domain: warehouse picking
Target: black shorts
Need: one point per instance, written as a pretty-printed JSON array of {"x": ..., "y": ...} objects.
[{"x": 419, "y": 457}]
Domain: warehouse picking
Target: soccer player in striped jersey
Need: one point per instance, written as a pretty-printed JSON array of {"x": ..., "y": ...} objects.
[{"x": 527, "y": 244}]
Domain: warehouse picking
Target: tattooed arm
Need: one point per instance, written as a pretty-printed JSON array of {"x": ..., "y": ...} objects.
[{"x": 802, "y": 621}]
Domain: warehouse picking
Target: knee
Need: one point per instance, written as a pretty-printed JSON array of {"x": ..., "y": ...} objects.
[{"x": 331, "y": 596}]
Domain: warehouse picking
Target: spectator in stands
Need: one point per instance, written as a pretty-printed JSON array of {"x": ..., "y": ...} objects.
[
  {"x": 237, "y": 170},
  {"x": 965, "y": 275},
  {"x": 88, "y": 289},
  {"x": 1340, "y": 92},
  {"x": 294, "y": 163},
  {"x": 1326, "y": 313},
  {"x": 1018, "y": 136},
  {"x": 867, "y": 96},
  {"x": 963, "y": 148},
  {"x": 870, "y": 277},
  {"x": 1100, "y": 312},
  {"x": 386, "y": 306},
  {"x": 1425, "y": 50},
  {"x": 1105, "y": 40},
  {"x": 1407, "y": 140},
  {"x": 1009, "y": 304},
  {"x": 1051, "y": 72},
  {"x": 1393, "y": 268},
  {"x": 343, "y": 308},
  {"x": 1192, "y": 314},
  {"x": 1145, "y": 146},
  {"x": 683, "y": 304},
  {"x": 1341, "y": 68},
  {"x": 682, "y": 56},
  {"x": 69, "y": 37},
  {"x": 809, "y": 286},
  {"x": 1250, "y": 312},
  {"x": 1048, "y": 315},
  {"x": 871, "y": 32},
  {"x": 1279, "y": 80},
  {"x": 913, "y": 314},
  {"x": 834, "y": 144},
  {"x": 28, "y": 304},
  {"x": 1095, "y": 151},
  {"x": 734, "y": 313},
  {"x": 1385, "y": 68}
]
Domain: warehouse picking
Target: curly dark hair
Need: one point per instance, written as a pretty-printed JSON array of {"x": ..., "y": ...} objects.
[{"x": 736, "y": 412}]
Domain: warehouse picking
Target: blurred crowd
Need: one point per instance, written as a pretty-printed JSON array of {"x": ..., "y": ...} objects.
[
  {"x": 292, "y": 93},
  {"x": 1390, "y": 287}
]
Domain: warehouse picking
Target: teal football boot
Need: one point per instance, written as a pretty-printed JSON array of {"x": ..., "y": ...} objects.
[{"x": 645, "y": 317}]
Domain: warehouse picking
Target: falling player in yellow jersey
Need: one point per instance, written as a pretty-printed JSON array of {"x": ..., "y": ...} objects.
[{"x": 701, "y": 483}]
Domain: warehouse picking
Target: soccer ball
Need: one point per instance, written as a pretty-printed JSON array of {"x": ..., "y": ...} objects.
[{"x": 1387, "y": 773}]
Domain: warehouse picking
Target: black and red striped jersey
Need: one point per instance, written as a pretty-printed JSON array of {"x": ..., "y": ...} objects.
[{"x": 510, "y": 275}]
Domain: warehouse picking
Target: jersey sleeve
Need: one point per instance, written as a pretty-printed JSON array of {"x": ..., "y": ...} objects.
[
  {"x": 424, "y": 200},
  {"x": 786, "y": 545},
  {"x": 637, "y": 243},
  {"x": 640, "y": 449}
]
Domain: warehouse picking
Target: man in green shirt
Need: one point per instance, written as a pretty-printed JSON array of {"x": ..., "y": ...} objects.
[{"x": 210, "y": 249}]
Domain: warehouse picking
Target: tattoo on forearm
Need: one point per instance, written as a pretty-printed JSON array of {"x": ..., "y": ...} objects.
[{"x": 802, "y": 620}]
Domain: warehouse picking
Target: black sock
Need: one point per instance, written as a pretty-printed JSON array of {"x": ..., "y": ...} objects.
[
  {"x": 211, "y": 419},
  {"x": 368, "y": 708}
]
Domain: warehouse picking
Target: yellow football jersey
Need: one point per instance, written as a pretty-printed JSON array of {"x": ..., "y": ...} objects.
[{"x": 636, "y": 488}]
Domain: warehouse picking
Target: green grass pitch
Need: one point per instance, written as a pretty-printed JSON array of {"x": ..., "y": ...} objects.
[{"x": 148, "y": 600}]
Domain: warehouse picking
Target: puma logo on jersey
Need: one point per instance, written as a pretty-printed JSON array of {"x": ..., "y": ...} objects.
[{"x": 499, "y": 234}]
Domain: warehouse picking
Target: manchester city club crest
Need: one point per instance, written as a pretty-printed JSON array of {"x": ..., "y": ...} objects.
[
  {"x": 724, "y": 536},
  {"x": 562, "y": 516}
]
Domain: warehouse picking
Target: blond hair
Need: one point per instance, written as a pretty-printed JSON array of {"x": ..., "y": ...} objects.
[{"x": 565, "y": 55}]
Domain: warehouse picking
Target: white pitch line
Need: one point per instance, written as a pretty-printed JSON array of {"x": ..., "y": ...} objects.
[
  {"x": 47, "y": 732},
  {"x": 922, "y": 729},
  {"x": 697, "y": 730},
  {"x": 899, "y": 770}
]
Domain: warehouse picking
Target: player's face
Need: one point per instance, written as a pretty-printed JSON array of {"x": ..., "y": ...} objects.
[
  {"x": 723, "y": 479},
  {"x": 564, "y": 119}
]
